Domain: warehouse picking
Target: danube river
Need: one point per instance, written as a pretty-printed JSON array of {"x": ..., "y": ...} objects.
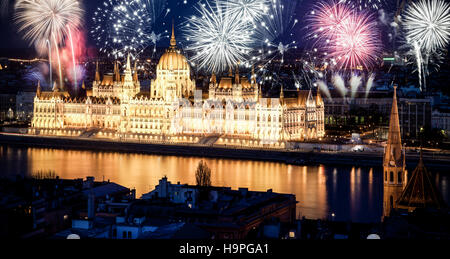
[{"x": 350, "y": 193}]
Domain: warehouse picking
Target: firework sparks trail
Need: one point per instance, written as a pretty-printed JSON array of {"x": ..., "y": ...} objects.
[
  {"x": 365, "y": 4},
  {"x": 350, "y": 38},
  {"x": 426, "y": 25},
  {"x": 218, "y": 40},
  {"x": 47, "y": 21},
  {"x": 248, "y": 10},
  {"x": 73, "y": 58},
  {"x": 59, "y": 62},
  {"x": 419, "y": 62},
  {"x": 123, "y": 26},
  {"x": 427, "y": 22},
  {"x": 50, "y": 60},
  {"x": 358, "y": 43}
]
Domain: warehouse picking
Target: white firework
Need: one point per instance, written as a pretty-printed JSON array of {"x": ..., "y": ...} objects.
[
  {"x": 248, "y": 10},
  {"x": 216, "y": 39},
  {"x": 427, "y": 22},
  {"x": 278, "y": 20},
  {"x": 47, "y": 20},
  {"x": 426, "y": 25},
  {"x": 122, "y": 26},
  {"x": 365, "y": 4}
]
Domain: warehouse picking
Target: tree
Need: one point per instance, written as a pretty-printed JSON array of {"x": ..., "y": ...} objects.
[{"x": 203, "y": 174}]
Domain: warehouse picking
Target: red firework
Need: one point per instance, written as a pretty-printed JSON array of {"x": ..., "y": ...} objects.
[{"x": 348, "y": 37}]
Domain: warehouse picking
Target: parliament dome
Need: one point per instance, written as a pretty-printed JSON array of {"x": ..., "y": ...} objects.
[{"x": 172, "y": 59}]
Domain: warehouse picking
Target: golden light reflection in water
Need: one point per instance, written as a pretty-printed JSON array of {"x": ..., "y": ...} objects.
[{"x": 142, "y": 172}]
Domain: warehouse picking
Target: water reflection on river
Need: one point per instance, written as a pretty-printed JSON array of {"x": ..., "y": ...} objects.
[{"x": 350, "y": 193}]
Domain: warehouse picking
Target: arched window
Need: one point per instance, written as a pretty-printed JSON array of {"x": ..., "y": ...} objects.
[
  {"x": 385, "y": 176},
  {"x": 391, "y": 176},
  {"x": 399, "y": 177}
]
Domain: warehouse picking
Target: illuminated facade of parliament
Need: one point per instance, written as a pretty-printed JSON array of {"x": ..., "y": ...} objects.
[{"x": 173, "y": 111}]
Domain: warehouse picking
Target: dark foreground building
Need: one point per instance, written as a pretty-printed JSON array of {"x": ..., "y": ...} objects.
[
  {"x": 181, "y": 211},
  {"x": 42, "y": 205}
]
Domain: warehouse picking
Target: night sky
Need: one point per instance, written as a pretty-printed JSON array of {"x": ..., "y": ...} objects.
[{"x": 179, "y": 12}]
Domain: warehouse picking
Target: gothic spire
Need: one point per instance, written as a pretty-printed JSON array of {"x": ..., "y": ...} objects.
[
  {"x": 173, "y": 41},
  {"x": 253, "y": 77},
  {"x": 281, "y": 93},
  {"x": 97, "y": 73},
  {"x": 213, "y": 78},
  {"x": 128, "y": 67},
  {"x": 237, "y": 79},
  {"x": 38, "y": 91},
  {"x": 393, "y": 153},
  {"x": 135, "y": 75}
]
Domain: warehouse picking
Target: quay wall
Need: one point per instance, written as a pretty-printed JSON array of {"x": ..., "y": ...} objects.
[{"x": 373, "y": 159}]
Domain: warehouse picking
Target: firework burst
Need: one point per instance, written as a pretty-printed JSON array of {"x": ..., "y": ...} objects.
[
  {"x": 44, "y": 20},
  {"x": 426, "y": 26},
  {"x": 348, "y": 38},
  {"x": 358, "y": 43},
  {"x": 217, "y": 39},
  {"x": 365, "y": 4},
  {"x": 248, "y": 10},
  {"x": 122, "y": 26},
  {"x": 48, "y": 23},
  {"x": 427, "y": 22}
]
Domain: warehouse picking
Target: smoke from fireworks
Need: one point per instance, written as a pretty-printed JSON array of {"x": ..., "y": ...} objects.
[
  {"x": 324, "y": 88},
  {"x": 369, "y": 84},
  {"x": 217, "y": 39},
  {"x": 339, "y": 83},
  {"x": 355, "y": 83}
]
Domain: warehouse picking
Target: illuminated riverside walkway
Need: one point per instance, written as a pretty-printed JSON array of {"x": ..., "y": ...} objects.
[{"x": 289, "y": 156}]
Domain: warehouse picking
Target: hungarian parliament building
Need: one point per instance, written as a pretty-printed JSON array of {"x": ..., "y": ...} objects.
[{"x": 173, "y": 111}]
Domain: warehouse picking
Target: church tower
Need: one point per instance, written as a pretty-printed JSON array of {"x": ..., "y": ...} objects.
[{"x": 394, "y": 173}]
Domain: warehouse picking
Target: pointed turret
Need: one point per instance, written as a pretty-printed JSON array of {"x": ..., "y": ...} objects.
[
  {"x": 236, "y": 78},
  {"x": 260, "y": 92},
  {"x": 213, "y": 79},
  {"x": 393, "y": 162},
  {"x": 83, "y": 86},
  {"x": 230, "y": 72},
  {"x": 173, "y": 41},
  {"x": 55, "y": 87},
  {"x": 97, "y": 73},
  {"x": 116, "y": 72},
  {"x": 135, "y": 75},
  {"x": 393, "y": 154},
  {"x": 319, "y": 100},
  {"x": 421, "y": 192},
  {"x": 253, "y": 77},
  {"x": 38, "y": 91},
  {"x": 128, "y": 66}
]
